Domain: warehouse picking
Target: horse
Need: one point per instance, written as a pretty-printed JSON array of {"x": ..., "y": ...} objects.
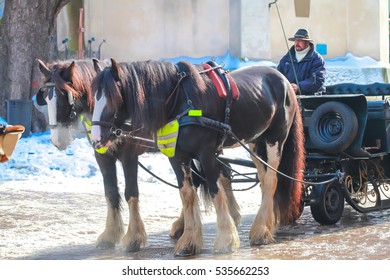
[
  {"x": 266, "y": 117},
  {"x": 68, "y": 94}
]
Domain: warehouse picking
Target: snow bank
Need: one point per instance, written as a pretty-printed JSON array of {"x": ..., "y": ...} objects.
[{"x": 352, "y": 69}]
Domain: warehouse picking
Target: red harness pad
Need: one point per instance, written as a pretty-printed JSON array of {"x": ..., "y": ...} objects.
[
  {"x": 221, "y": 88},
  {"x": 233, "y": 85}
]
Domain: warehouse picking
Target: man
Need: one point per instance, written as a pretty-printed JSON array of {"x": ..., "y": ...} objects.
[{"x": 309, "y": 75}]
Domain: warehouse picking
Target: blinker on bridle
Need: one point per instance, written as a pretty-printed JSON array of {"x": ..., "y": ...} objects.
[{"x": 49, "y": 86}]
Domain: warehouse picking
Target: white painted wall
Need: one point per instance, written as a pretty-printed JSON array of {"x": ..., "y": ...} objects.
[{"x": 154, "y": 29}]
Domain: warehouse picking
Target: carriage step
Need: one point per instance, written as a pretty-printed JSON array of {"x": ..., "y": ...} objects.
[{"x": 382, "y": 205}]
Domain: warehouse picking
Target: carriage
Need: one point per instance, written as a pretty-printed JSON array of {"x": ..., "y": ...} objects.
[{"x": 347, "y": 141}]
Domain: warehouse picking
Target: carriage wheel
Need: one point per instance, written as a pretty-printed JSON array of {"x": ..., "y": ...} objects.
[
  {"x": 333, "y": 127},
  {"x": 330, "y": 206}
]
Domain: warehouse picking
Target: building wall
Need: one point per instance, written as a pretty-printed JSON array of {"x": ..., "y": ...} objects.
[
  {"x": 327, "y": 24},
  {"x": 154, "y": 29},
  {"x": 356, "y": 26}
]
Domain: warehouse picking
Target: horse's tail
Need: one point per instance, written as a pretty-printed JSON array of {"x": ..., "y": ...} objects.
[{"x": 288, "y": 194}]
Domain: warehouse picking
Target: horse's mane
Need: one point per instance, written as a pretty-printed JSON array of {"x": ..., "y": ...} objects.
[
  {"x": 78, "y": 81},
  {"x": 145, "y": 86}
]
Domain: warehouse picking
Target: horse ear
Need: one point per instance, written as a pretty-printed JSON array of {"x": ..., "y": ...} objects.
[
  {"x": 68, "y": 73},
  {"x": 115, "y": 70},
  {"x": 44, "y": 69},
  {"x": 97, "y": 65}
]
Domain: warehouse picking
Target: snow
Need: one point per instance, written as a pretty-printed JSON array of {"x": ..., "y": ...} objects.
[
  {"x": 351, "y": 61},
  {"x": 358, "y": 70}
]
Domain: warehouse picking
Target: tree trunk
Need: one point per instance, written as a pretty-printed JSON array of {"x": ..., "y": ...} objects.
[{"x": 27, "y": 32}]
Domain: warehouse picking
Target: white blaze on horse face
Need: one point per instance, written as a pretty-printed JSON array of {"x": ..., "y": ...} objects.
[
  {"x": 61, "y": 136},
  {"x": 100, "y": 104},
  {"x": 52, "y": 113},
  {"x": 52, "y": 108}
]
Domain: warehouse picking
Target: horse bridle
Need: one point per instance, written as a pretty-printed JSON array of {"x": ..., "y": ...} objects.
[
  {"x": 114, "y": 130},
  {"x": 50, "y": 87}
]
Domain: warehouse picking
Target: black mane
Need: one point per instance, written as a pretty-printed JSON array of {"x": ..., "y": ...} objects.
[{"x": 142, "y": 88}]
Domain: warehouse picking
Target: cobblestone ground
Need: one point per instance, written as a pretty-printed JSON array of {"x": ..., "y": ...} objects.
[{"x": 63, "y": 222}]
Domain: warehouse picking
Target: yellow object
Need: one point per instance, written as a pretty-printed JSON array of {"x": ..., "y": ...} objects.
[
  {"x": 101, "y": 150},
  {"x": 167, "y": 138},
  {"x": 88, "y": 126},
  {"x": 8, "y": 141},
  {"x": 87, "y": 123},
  {"x": 195, "y": 113}
]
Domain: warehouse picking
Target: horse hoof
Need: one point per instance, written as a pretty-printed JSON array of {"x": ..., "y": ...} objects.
[
  {"x": 133, "y": 247},
  {"x": 105, "y": 245},
  {"x": 226, "y": 250},
  {"x": 177, "y": 234},
  {"x": 261, "y": 241},
  {"x": 186, "y": 252}
]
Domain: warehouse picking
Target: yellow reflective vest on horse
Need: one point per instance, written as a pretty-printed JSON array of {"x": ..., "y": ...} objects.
[{"x": 167, "y": 138}]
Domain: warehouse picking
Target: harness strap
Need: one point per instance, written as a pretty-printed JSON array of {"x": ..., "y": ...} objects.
[
  {"x": 102, "y": 123},
  {"x": 229, "y": 98},
  {"x": 205, "y": 122},
  {"x": 226, "y": 88}
]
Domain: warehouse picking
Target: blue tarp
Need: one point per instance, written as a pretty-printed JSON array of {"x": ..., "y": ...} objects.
[
  {"x": 1, "y": 8},
  {"x": 226, "y": 61},
  {"x": 2, "y": 121}
]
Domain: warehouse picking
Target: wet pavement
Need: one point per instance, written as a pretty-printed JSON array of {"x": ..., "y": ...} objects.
[{"x": 62, "y": 222}]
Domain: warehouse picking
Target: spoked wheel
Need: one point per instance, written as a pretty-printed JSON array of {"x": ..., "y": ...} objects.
[{"x": 330, "y": 206}]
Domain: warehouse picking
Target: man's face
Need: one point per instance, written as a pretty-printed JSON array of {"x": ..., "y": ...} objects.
[{"x": 300, "y": 45}]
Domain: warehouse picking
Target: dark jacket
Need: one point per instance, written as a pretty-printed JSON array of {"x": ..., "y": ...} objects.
[{"x": 310, "y": 71}]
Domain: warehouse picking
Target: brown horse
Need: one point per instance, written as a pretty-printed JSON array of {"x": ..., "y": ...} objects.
[
  {"x": 266, "y": 117},
  {"x": 68, "y": 95}
]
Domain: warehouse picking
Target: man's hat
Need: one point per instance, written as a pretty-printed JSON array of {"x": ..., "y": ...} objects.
[{"x": 301, "y": 34}]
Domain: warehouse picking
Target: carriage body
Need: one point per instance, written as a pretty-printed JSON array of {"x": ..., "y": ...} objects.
[
  {"x": 347, "y": 142},
  {"x": 347, "y": 134}
]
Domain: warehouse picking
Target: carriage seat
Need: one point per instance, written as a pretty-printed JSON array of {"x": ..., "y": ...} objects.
[
  {"x": 375, "y": 89},
  {"x": 377, "y": 109}
]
